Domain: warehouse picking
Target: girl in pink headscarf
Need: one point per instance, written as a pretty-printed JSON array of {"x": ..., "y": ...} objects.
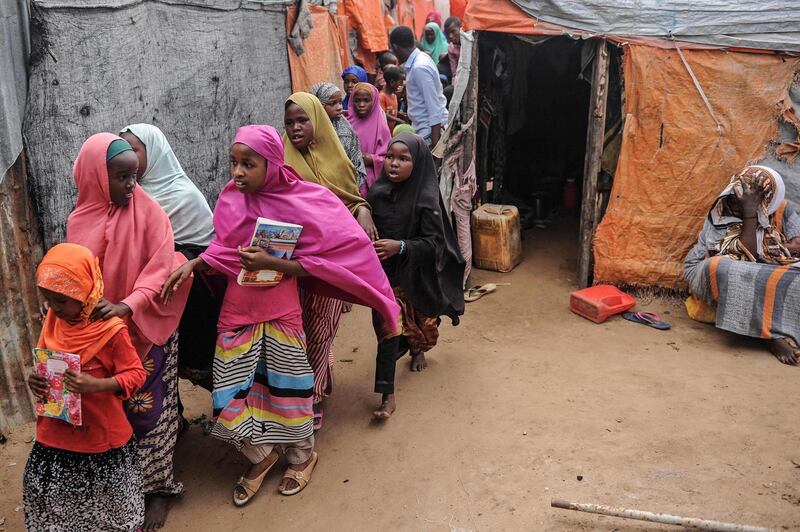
[
  {"x": 369, "y": 122},
  {"x": 131, "y": 235},
  {"x": 263, "y": 383}
]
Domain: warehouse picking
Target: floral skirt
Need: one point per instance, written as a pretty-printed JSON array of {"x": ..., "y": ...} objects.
[{"x": 83, "y": 492}]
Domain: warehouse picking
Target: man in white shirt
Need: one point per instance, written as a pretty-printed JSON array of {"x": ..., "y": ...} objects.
[{"x": 427, "y": 106}]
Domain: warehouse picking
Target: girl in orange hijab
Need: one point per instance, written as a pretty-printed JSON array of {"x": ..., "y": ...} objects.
[
  {"x": 69, "y": 464},
  {"x": 131, "y": 235}
]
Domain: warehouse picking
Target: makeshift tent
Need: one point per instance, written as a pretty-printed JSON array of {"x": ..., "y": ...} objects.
[
  {"x": 694, "y": 113},
  {"x": 321, "y": 59}
]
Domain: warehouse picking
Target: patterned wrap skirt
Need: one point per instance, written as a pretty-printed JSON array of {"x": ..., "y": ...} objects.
[
  {"x": 153, "y": 414},
  {"x": 263, "y": 386},
  {"x": 65, "y": 491},
  {"x": 420, "y": 331}
]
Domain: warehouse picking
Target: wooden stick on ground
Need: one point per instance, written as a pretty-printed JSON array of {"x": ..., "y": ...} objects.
[{"x": 689, "y": 522}]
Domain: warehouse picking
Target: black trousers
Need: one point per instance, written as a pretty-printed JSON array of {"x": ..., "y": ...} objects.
[{"x": 389, "y": 351}]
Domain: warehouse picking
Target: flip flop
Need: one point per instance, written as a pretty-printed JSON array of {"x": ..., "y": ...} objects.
[
  {"x": 301, "y": 477},
  {"x": 318, "y": 418},
  {"x": 477, "y": 292},
  {"x": 251, "y": 485},
  {"x": 651, "y": 319}
]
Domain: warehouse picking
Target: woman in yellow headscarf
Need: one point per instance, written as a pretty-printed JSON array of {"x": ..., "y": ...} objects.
[{"x": 313, "y": 149}]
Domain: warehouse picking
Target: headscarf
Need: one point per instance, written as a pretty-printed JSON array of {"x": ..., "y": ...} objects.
[
  {"x": 403, "y": 128},
  {"x": 326, "y": 163},
  {"x": 133, "y": 243},
  {"x": 345, "y": 132},
  {"x": 73, "y": 271},
  {"x": 117, "y": 147},
  {"x": 373, "y": 133},
  {"x": 771, "y": 243},
  {"x": 332, "y": 247},
  {"x": 359, "y": 73},
  {"x": 167, "y": 183},
  {"x": 435, "y": 17},
  {"x": 439, "y": 45},
  {"x": 431, "y": 270}
]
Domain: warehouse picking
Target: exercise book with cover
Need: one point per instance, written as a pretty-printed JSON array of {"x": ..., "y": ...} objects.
[{"x": 279, "y": 240}]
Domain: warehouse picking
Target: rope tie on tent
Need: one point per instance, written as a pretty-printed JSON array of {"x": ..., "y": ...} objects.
[{"x": 697, "y": 84}]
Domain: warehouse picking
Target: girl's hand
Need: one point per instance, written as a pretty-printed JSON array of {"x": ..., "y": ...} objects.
[
  {"x": 386, "y": 249},
  {"x": 175, "y": 280},
  {"x": 364, "y": 217},
  {"x": 254, "y": 258},
  {"x": 82, "y": 382},
  {"x": 749, "y": 198},
  {"x": 40, "y": 387},
  {"x": 105, "y": 310}
]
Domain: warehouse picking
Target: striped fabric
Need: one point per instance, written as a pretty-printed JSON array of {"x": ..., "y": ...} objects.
[
  {"x": 262, "y": 386},
  {"x": 321, "y": 322}
]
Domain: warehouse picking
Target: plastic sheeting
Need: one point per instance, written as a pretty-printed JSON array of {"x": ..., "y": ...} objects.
[
  {"x": 673, "y": 162},
  {"x": 198, "y": 69},
  {"x": 322, "y": 58},
  {"x": 762, "y": 24},
  {"x": 421, "y": 10},
  {"x": 14, "y": 50},
  {"x": 366, "y": 16}
]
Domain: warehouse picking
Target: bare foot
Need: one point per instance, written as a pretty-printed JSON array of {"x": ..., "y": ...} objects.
[
  {"x": 290, "y": 483},
  {"x": 418, "y": 362},
  {"x": 155, "y": 512},
  {"x": 387, "y": 408},
  {"x": 255, "y": 471},
  {"x": 783, "y": 351}
]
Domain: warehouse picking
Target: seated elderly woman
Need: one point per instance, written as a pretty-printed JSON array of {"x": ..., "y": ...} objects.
[{"x": 746, "y": 263}]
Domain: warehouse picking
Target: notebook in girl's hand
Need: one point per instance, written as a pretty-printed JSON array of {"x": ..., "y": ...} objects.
[
  {"x": 61, "y": 403},
  {"x": 279, "y": 240}
]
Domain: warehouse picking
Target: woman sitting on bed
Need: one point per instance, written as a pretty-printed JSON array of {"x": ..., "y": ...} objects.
[{"x": 746, "y": 261}]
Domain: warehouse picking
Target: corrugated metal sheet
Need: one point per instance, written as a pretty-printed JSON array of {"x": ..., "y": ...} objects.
[{"x": 20, "y": 251}]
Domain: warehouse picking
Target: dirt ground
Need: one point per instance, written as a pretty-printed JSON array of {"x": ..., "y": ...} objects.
[{"x": 519, "y": 402}]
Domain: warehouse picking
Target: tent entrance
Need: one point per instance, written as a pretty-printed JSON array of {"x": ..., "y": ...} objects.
[{"x": 538, "y": 107}]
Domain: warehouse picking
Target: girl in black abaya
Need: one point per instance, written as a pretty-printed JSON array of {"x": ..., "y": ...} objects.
[{"x": 420, "y": 255}]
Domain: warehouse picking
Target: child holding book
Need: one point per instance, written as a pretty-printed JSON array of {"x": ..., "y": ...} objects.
[
  {"x": 420, "y": 256},
  {"x": 263, "y": 383},
  {"x": 369, "y": 122},
  {"x": 84, "y": 477},
  {"x": 393, "y": 77}
]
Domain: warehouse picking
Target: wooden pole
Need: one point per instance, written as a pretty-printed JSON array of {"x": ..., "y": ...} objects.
[
  {"x": 595, "y": 134},
  {"x": 689, "y": 522}
]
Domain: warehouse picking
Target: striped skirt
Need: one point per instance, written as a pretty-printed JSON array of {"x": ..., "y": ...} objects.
[
  {"x": 321, "y": 322},
  {"x": 263, "y": 386}
]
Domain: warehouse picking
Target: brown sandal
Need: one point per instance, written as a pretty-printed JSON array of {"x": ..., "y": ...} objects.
[
  {"x": 301, "y": 477},
  {"x": 250, "y": 486}
]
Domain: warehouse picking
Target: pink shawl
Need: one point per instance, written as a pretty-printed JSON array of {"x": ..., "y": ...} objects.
[
  {"x": 134, "y": 244},
  {"x": 373, "y": 134},
  {"x": 332, "y": 247}
]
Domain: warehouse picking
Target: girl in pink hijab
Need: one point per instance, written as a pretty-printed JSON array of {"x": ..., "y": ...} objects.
[
  {"x": 372, "y": 129},
  {"x": 131, "y": 235},
  {"x": 263, "y": 383}
]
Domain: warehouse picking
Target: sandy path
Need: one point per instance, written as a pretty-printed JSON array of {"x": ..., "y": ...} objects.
[{"x": 517, "y": 402}]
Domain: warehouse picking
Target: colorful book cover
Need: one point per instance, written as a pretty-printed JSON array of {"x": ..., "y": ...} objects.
[
  {"x": 61, "y": 403},
  {"x": 279, "y": 240}
]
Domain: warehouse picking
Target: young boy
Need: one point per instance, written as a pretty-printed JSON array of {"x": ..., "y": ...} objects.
[
  {"x": 388, "y": 98},
  {"x": 385, "y": 60},
  {"x": 452, "y": 30}
]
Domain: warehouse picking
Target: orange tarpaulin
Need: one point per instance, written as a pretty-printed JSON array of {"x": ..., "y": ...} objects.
[
  {"x": 405, "y": 13},
  {"x": 343, "y": 26},
  {"x": 366, "y": 16},
  {"x": 322, "y": 59},
  {"x": 457, "y": 8},
  {"x": 673, "y": 162},
  {"x": 497, "y": 15},
  {"x": 421, "y": 10}
]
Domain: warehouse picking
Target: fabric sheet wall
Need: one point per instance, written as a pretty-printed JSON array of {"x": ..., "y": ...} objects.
[
  {"x": 322, "y": 56},
  {"x": 673, "y": 162},
  {"x": 196, "y": 69},
  {"x": 14, "y": 50}
]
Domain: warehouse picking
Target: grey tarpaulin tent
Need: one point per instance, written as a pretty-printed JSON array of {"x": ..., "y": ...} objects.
[
  {"x": 198, "y": 69},
  {"x": 14, "y": 50},
  {"x": 764, "y": 24}
]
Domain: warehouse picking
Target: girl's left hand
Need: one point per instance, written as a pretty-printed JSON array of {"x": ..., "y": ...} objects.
[
  {"x": 254, "y": 258},
  {"x": 81, "y": 382},
  {"x": 386, "y": 249},
  {"x": 105, "y": 310},
  {"x": 364, "y": 217}
]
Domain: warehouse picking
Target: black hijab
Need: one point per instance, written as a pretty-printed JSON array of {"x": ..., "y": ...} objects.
[{"x": 431, "y": 271}]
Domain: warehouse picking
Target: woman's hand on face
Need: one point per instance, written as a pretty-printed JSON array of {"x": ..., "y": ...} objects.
[
  {"x": 39, "y": 386},
  {"x": 364, "y": 217},
  {"x": 749, "y": 197},
  {"x": 105, "y": 310},
  {"x": 386, "y": 249},
  {"x": 175, "y": 280},
  {"x": 254, "y": 258}
]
